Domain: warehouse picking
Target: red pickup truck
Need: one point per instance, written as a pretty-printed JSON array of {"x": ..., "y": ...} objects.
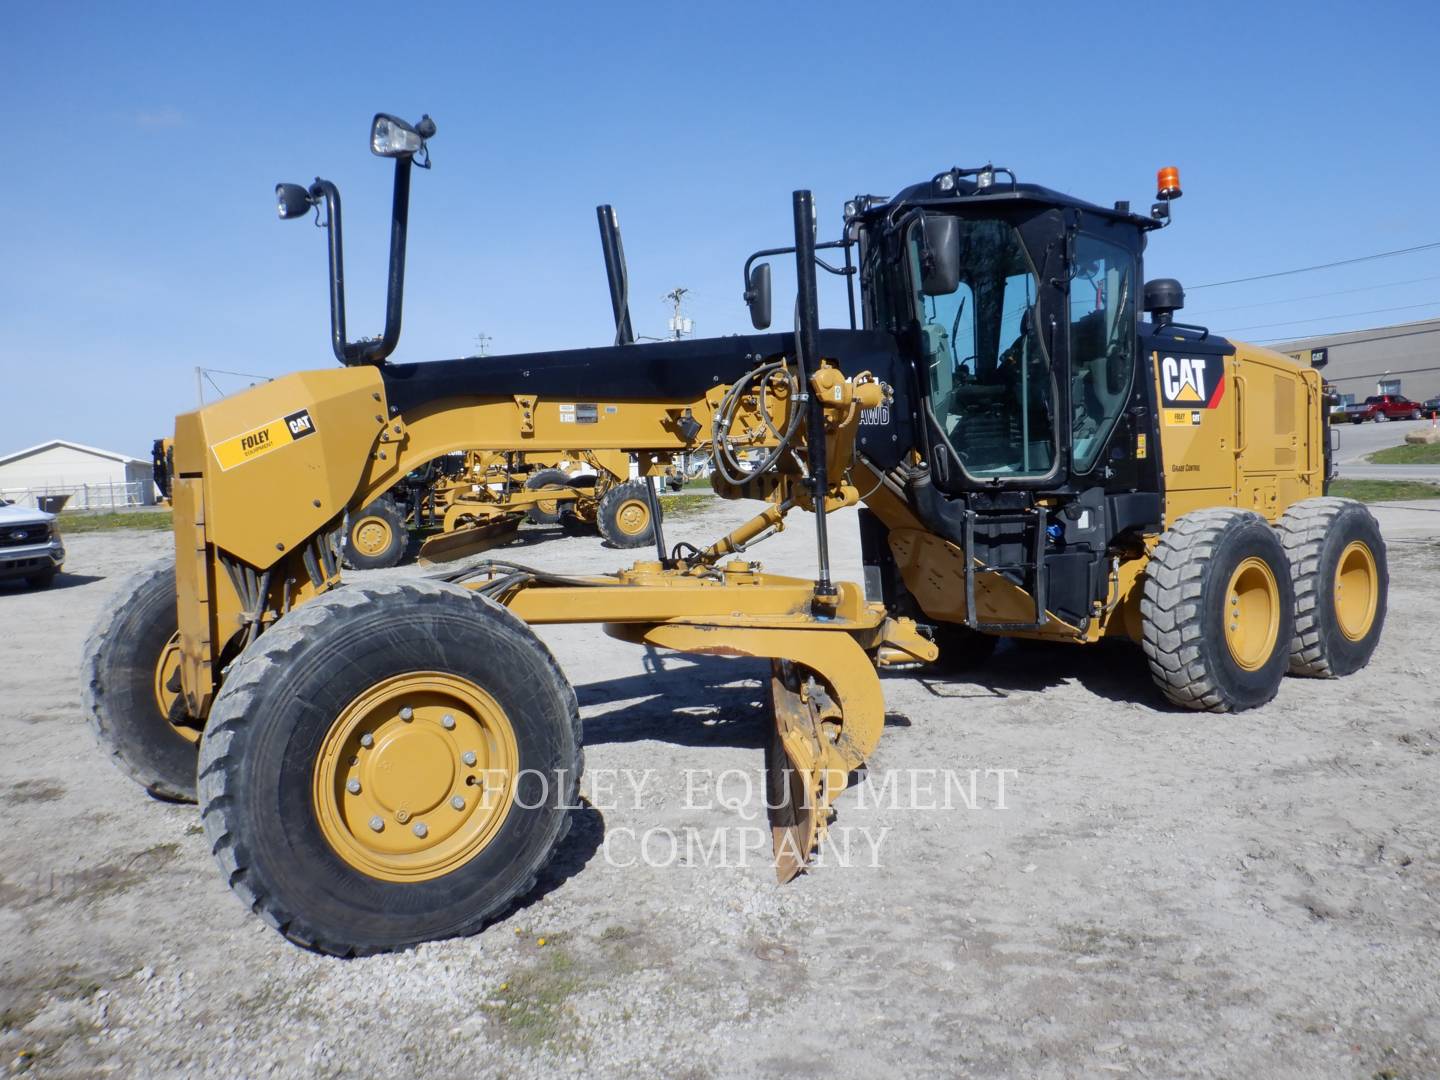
[{"x": 1383, "y": 407}]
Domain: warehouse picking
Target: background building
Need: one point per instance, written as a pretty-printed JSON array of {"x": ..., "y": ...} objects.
[
  {"x": 94, "y": 479},
  {"x": 1403, "y": 359}
]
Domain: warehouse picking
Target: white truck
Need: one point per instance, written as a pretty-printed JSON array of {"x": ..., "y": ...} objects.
[{"x": 30, "y": 545}]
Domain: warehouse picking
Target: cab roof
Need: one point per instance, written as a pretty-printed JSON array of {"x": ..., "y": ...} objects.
[{"x": 966, "y": 193}]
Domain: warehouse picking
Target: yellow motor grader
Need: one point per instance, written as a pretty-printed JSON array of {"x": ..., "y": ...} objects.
[
  {"x": 471, "y": 502},
  {"x": 379, "y": 765}
]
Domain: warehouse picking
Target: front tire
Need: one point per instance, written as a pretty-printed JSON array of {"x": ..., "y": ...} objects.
[
  {"x": 129, "y": 686},
  {"x": 1342, "y": 582},
  {"x": 377, "y": 538},
  {"x": 1218, "y": 611},
  {"x": 624, "y": 517},
  {"x": 388, "y": 765},
  {"x": 546, "y": 513}
]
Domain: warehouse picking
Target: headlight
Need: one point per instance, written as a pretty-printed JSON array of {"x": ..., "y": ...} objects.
[
  {"x": 292, "y": 201},
  {"x": 392, "y": 137}
]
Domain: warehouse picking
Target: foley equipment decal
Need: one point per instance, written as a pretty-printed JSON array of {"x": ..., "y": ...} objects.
[{"x": 257, "y": 442}]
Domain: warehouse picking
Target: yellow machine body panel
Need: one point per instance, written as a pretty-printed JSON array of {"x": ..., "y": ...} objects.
[
  {"x": 1242, "y": 430},
  {"x": 269, "y": 483}
]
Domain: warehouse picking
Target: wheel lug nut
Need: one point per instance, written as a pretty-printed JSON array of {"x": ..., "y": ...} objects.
[
  {"x": 353, "y": 786},
  {"x": 420, "y": 830},
  {"x": 406, "y": 713},
  {"x": 468, "y": 757},
  {"x": 458, "y": 802},
  {"x": 377, "y": 823},
  {"x": 447, "y": 721},
  {"x": 367, "y": 740}
]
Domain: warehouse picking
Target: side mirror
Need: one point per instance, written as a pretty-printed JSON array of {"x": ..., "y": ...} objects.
[
  {"x": 757, "y": 296},
  {"x": 940, "y": 258},
  {"x": 292, "y": 201}
]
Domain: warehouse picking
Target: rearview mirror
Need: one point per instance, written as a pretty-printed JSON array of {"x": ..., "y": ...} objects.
[
  {"x": 940, "y": 255},
  {"x": 757, "y": 296},
  {"x": 292, "y": 201}
]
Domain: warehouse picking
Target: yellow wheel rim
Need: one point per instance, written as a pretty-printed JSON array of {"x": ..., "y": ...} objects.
[
  {"x": 549, "y": 507},
  {"x": 415, "y": 776},
  {"x": 166, "y": 670},
  {"x": 633, "y": 517},
  {"x": 371, "y": 535},
  {"x": 1356, "y": 594},
  {"x": 1252, "y": 613}
]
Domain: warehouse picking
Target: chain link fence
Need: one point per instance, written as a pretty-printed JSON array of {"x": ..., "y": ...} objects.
[{"x": 111, "y": 495}]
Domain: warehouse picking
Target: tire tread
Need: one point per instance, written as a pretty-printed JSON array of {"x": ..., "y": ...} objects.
[{"x": 225, "y": 743}]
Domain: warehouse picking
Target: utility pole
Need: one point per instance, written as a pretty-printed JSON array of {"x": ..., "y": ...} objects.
[
  {"x": 680, "y": 325},
  {"x": 482, "y": 343}
]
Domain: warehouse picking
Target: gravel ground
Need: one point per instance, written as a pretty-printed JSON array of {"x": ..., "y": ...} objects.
[{"x": 1156, "y": 893}]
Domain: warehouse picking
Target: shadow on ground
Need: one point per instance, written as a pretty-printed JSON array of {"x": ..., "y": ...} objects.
[
  {"x": 682, "y": 700},
  {"x": 1113, "y": 670},
  {"x": 700, "y": 701},
  {"x": 587, "y": 833},
  {"x": 62, "y": 581}
]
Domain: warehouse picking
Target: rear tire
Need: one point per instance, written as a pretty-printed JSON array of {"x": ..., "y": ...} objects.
[
  {"x": 540, "y": 513},
  {"x": 624, "y": 517},
  {"x": 275, "y": 808},
  {"x": 377, "y": 538},
  {"x": 118, "y": 686},
  {"x": 1335, "y": 544},
  {"x": 1218, "y": 611}
]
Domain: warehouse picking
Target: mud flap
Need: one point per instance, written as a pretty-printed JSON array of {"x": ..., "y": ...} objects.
[{"x": 469, "y": 540}]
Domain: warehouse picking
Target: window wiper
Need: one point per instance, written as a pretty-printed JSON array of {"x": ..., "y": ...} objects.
[{"x": 955, "y": 331}]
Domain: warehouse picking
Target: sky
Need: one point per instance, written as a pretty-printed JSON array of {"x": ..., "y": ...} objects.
[{"x": 143, "y": 142}]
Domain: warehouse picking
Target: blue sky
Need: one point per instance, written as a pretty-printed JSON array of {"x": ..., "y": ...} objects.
[{"x": 143, "y": 143}]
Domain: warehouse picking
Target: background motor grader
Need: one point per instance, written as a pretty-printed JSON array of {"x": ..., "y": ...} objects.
[
  {"x": 471, "y": 502},
  {"x": 381, "y": 765}
]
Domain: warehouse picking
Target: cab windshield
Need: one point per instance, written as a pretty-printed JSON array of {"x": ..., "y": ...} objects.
[{"x": 991, "y": 385}]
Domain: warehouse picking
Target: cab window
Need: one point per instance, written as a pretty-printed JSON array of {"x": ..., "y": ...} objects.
[
  {"x": 1102, "y": 343},
  {"x": 991, "y": 387}
]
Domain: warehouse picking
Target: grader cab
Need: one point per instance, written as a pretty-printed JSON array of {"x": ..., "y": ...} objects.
[{"x": 381, "y": 765}]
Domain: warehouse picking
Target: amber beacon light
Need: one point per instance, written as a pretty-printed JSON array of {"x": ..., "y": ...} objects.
[{"x": 1167, "y": 183}]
